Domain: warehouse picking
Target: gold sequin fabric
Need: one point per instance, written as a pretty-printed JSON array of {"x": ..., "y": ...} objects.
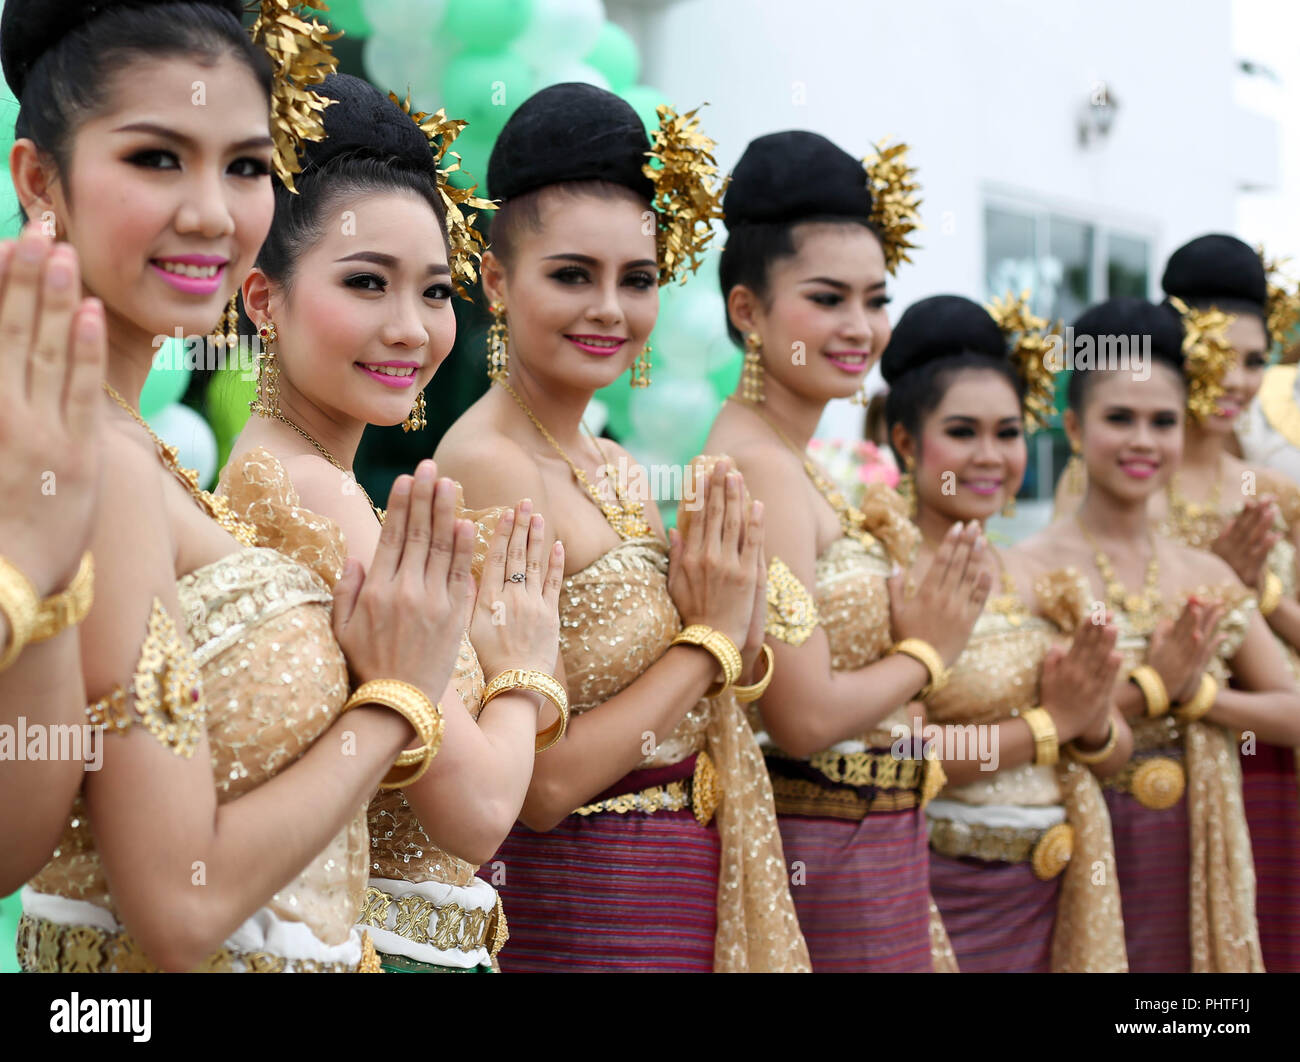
[{"x": 996, "y": 677}]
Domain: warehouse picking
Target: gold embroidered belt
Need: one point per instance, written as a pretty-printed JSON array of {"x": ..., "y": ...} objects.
[
  {"x": 851, "y": 785},
  {"x": 1155, "y": 782},
  {"x": 700, "y": 793},
  {"x": 1047, "y": 850},
  {"x": 52, "y": 947},
  {"x": 446, "y": 927}
]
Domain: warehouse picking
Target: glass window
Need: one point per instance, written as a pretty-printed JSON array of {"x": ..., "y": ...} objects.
[{"x": 1127, "y": 271}]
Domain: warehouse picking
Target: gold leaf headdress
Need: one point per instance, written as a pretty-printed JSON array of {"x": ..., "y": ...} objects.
[
  {"x": 1030, "y": 336},
  {"x": 1208, "y": 355},
  {"x": 1283, "y": 306},
  {"x": 464, "y": 241},
  {"x": 300, "y": 57},
  {"x": 687, "y": 196},
  {"x": 893, "y": 186}
]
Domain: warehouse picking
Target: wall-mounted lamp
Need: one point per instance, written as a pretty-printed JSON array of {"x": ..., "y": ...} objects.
[{"x": 1097, "y": 114}]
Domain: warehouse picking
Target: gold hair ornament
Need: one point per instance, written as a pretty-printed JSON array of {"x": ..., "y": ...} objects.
[
  {"x": 1029, "y": 335},
  {"x": 894, "y": 202},
  {"x": 687, "y": 196},
  {"x": 1208, "y": 354},
  {"x": 1283, "y": 300},
  {"x": 464, "y": 241}
]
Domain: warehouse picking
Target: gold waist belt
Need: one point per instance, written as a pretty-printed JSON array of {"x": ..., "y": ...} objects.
[
  {"x": 445, "y": 927},
  {"x": 1155, "y": 782},
  {"x": 1048, "y": 850},
  {"x": 700, "y": 793},
  {"x": 51, "y": 947},
  {"x": 899, "y": 783}
]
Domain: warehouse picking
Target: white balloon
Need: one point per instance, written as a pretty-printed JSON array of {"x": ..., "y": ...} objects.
[
  {"x": 196, "y": 446},
  {"x": 559, "y": 30},
  {"x": 690, "y": 338},
  {"x": 397, "y": 64},
  {"x": 596, "y": 416},
  {"x": 571, "y": 70},
  {"x": 404, "y": 18}
]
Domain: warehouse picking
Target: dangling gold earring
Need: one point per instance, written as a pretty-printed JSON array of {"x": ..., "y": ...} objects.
[
  {"x": 267, "y": 401},
  {"x": 1009, "y": 509},
  {"x": 498, "y": 338},
  {"x": 1076, "y": 472},
  {"x": 751, "y": 377},
  {"x": 641, "y": 368},
  {"x": 907, "y": 487},
  {"x": 227, "y": 330},
  {"x": 415, "y": 421}
]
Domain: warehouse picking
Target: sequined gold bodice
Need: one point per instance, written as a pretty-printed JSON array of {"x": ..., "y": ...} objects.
[{"x": 616, "y": 619}]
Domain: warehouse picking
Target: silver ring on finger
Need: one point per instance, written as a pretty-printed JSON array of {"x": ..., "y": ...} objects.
[{"x": 516, "y": 577}]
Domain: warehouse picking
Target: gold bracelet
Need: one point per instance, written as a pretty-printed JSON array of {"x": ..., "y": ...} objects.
[
  {"x": 68, "y": 608},
  {"x": 19, "y": 603},
  {"x": 723, "y": 649},
  {"x": 416, "y": 708},
  {"x": 1047, "y": 747},
  {"x": 1096, "y": 756},
  {"x": 1148, "y": 680},
  {"x": 516, "y": 678},
  {"x": 747, "y": 694},
  {"x": 927, "y": 654},
  {"x": 1201, "y": 703},
  {"x": 1271, "y": 594}
]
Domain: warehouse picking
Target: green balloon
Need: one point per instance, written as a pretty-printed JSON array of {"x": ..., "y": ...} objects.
[
  {"x": 645, "y": 100},
  {"x": 486, "y": 25},
  {"x": 485, "y": 89},
  {"x": 617, "y": 398},
  {"x": 227, "y": 408},
  {"x": 616, "y": 57},
  {"x": 167, "y": 381},
  {"x": 347, "y": 16},
  {"x": 474, "y": 148},
  {"x": 725, "y": 377}
]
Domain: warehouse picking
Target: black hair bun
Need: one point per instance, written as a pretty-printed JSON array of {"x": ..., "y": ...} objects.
[
  {"x": 786, "y": 176},
  {"x": 570, "y": 132},
  {"x": 1127, "y": 315},
  {"x": 364, "y": 121},
  {"x": 30, "y": 28},
  {"x": 942, "y": 326},
  {"x": 1216, "y": 266}
]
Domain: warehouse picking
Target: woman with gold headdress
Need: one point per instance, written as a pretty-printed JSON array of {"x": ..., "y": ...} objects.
[
  {"x": 812, "y": 238},
  {"x": 1020, "y": 726},
  {"x": 1182, "y": 848},
  {"x": 225, "y": 829},
  {"x": 648, "y": 839},
  {"x": 354, "y": 282}
]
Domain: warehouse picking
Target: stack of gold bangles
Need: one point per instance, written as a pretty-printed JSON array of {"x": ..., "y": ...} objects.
[
  {"x": 1148, "y": 680},
  {"x": 724, "y": 651},
  {"x": 32, "y": 620},
  {"x": 416, "y": 708},
  {"x": 928, "y": 655},
  {"x": 1270, "y": 594},
  {"x": 516, "y": 678}
]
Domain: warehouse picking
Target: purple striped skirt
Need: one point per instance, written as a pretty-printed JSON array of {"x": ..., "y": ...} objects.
[{"x": 1273, "y": 814}]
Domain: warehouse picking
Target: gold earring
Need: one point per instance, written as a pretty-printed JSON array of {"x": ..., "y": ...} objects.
[
  {"x": 641, "y": 368},
  {"x": 416, "y": 421},
  {"x": 1009, "y": 509},
  {"x": 498, "y": 338},
  {"x": 227, "y": 330},
  {"x": 1076, "y": 472},
  {"x": 907, "y": 487},
  {"x": 751, "y": 377},
  {"x": 266, "y": 403}
]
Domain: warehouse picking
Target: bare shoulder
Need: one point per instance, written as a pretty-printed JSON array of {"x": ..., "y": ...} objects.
[
  {"x": 1200, "y": 564},
  {"x": 491, "y": 468}
]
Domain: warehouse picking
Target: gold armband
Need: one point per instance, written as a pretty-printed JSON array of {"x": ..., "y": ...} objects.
[
  {"x": 746, "y": 694},
  {"x": 413, "y": 706},
  {"x": 1047, "y": 748},
  {"x": 791, "y": 610},
  {"x": 1201, "y": 703},
  {"x": 1095, "y": 756},
  {"x": 722, "y": 648},
  {"x": 68, "y": 608},
  {"x": 537, "y": 682},
  {"x": 1148, "y": 680},
  {"x": 19, "y": 603},
  {"x": 927, "y": 654},
  {"x": 1270, "y": 596}
]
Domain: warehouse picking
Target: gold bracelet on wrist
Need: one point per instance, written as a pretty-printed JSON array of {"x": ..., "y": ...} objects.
[
  {"x": 1095, "y": 756},
  {"x": 1047, "y": 747},
  {"x": 1201, "y": 703},
  {"x": 69, "y": 607},
  {"x": 19, "y": 603},
  {"x": 721, "y": 647},
  {"x": 747, "y": 694},
  {"x": 927, "y": 654},
  {"x": 1148, "y": 680},
  {"x": 548, "y": 686},
  {"x": 1270, "y": 595},
  {"x": 416, "y": 708}
]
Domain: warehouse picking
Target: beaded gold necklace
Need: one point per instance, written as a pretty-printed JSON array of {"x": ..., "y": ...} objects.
[
  {"x": 217, "y": 508},
  {"x": 624, "y": 516},
  {"x": 1141, "y": 608},
  {"x": 1196, "y": 525},
  {"x": 379, "y": 513}
]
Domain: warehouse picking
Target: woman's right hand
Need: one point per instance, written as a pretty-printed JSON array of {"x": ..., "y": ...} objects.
[
  {"x": 1246, "y": 541},
  {"x": 950, "y": 598},
  {"x": 1181, "y": 650},
  {"x": 404, "y": 618},
  {"x": 1077, "y": 685},
  {"x": 52, "y": 354},
  {"x": 713, "y": 569}
]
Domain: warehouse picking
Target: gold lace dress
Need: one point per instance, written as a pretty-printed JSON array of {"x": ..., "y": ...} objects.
[
  {"x": 272, "y": 679},
  {"x": 1023, "y": 865}
]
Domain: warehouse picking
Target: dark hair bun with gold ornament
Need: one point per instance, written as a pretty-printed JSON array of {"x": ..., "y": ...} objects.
[
  {"x": 362, "y": 121},
  {"x": 1129, "y": 318},
  {"x": 1220, "y": 271},
  {"x": 792, "y": 176}
]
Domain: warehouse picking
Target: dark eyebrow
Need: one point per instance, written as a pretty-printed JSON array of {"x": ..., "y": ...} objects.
[
  {"x": 180, "y": 138},
  {"x": 389, "y": 262},
  {"x": 839, "y": 285},
  {"x": 587, "y": 260}
]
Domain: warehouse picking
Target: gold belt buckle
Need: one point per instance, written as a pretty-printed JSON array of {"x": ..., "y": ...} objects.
[
  {"x": 706, "y": 794},
  {"x": 1052, "y": 853},
  {"x": 498, "y": 932},
  {"x": 1158, "y": 783}
]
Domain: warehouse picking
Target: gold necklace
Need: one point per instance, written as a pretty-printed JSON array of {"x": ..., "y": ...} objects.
[
  {"x": 379, "y": 513},
  {"x": 1191, "y": 523},
  {"x": 1141, "y": 608},
  {"x": 852, "y": 519},
  {"x": 624, "y": 516},
  {"x": 217, "y": 508}
]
